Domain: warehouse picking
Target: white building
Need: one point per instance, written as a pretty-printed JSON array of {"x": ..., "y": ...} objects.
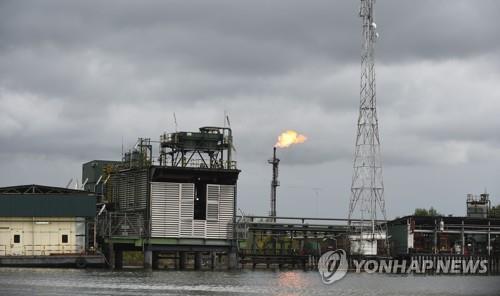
[{"x": 40, "y": 220}]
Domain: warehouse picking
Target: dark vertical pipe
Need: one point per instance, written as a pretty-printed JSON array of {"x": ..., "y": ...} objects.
[{"x": 274, "y": 184}]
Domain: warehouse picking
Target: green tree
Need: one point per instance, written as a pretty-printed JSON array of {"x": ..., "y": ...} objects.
[
  {"x": 434, "y": 212},
  {"x": 421, "y": 212},
  {"x": 425, "y": 213}
]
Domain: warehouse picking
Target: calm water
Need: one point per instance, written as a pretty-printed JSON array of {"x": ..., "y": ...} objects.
[{"x": 24, "y": 281}]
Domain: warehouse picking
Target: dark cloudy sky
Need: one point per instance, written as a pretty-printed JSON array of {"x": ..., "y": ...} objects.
[{"x": 77, "y": 77}]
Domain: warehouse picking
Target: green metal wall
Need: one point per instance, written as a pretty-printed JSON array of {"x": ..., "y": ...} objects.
[
  {"x": 92, "y": 170},
  {"x": 398, "y": 238},
  {"x": 47, "y": 205}
]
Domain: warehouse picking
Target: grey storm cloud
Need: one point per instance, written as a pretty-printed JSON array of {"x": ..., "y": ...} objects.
[{"x": 78, "y": 78}]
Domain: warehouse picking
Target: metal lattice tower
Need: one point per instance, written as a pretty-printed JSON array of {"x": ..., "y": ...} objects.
[{"x": 367, "y": 190}]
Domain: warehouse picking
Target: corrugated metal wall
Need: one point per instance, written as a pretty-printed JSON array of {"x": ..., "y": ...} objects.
[{"x": 172, "y": 211}]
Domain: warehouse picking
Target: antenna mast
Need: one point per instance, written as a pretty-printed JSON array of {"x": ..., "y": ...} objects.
[{"x": 367, "y": 190}]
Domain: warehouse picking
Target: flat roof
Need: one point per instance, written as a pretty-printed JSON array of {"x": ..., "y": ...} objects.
[{"x": 37, "y": 189}]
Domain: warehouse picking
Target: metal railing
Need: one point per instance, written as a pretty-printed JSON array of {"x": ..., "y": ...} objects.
[
  {"x": 457, "y": 228},
  {"x": 41, "y": 249},
  {"x": 303, "y": 220},
  {"x": 207, "y": 164}
]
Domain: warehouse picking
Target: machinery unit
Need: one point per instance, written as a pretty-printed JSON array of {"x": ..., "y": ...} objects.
[
  {"x": 211, "y": 147},
  {"x": 478, "y": 206},
  {"x": 94, "y": 174},
  {"x": 444, "y": 235},
  {"x": 186, "y": 200}
]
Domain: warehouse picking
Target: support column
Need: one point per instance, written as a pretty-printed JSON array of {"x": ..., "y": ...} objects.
[
  {"x": 254, "y": 242},
  {"x": 197, "y": 261},
  {"x": 232, "y": 259},
  {"x": 118, "y": 259},
  {"x": 212, "y": 260},
  {"x": 111, "y": 256},
  {"x": 435, "y": 237},
  {"x": 462, "y": 233},
  {"x": 156, "y": 260},
  {"x": 302, "y": 243},
  {"x": 275, "y": 242},
  {"x": 282, "y": 246},
  {"x": 182, "y": 260},
  {"x": 148, "y": 259},
  {"x": 489, "y": 240},
  {"x": 176, "y": 261}
]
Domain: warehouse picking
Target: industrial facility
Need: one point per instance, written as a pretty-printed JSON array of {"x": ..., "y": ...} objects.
[
  {"x": 179, "y": 206},
  {"x": 178, "y": 211},
  {"x": 468, "y": 236},
  {"x": 174, "y": 201},
  {"x": 476, "y": 234}
]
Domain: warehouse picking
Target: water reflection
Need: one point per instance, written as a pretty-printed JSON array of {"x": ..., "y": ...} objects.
[
  {"x": 291, "y": 279},
  {"x": 18, "y": 281}
]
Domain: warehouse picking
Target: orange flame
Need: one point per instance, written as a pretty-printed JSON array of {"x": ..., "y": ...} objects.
[{"x": 288, "y": 138}]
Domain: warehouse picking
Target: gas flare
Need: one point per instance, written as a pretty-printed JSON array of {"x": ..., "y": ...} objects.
[{"x": 288, "y": 138}]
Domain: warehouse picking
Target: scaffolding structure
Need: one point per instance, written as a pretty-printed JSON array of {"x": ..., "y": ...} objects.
[{"x": 210, "y": 148}]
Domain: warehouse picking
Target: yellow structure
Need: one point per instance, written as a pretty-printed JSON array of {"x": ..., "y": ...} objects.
[{"x": 40, "y": 220}]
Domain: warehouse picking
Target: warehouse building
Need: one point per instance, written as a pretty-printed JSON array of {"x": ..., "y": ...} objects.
[
  {"x": 445, "y": 235},
  {"x": 473, "y": 235},
  {"x": 38, "y": 220}
]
